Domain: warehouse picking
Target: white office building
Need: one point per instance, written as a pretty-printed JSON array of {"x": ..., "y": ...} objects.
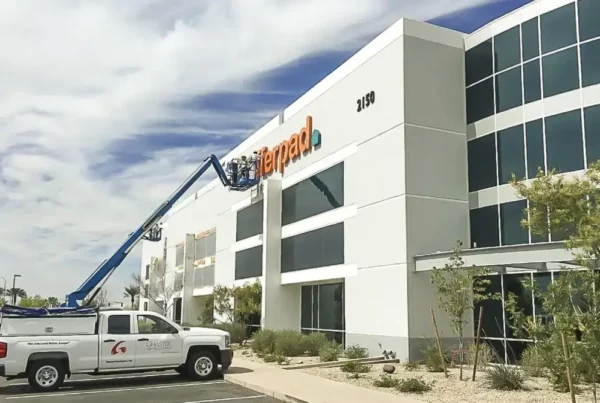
[{"x": 414, "y": 140}]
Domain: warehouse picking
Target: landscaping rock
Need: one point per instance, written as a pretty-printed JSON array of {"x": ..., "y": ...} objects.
[{"x": 389, "y": 369}]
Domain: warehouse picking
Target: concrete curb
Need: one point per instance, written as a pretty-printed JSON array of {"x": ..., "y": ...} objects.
[{"x": 259, "y": 389}]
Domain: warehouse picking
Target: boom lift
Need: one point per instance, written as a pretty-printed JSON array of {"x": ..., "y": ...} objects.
[{"x": 240, "y": 174}]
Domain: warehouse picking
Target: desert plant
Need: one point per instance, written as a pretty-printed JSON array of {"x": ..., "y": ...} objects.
[
  {"x": 355, "y": 367},
  {"x": 386, "y": 381},
  {"x": 532, "y": 362},
  {"x": 330, "y": 351},
  {"x": 505, "y": 377},
  {"x": 355, "y": 351},
  {"x": 432, "y": 359},
  {"x": 237, "y": 331},
  {"x": 485, "y": 357},
  {"x": 289, "y": 343},
  {"x": 411, "y": 365},
  {"x": 263, "y": 341},
  {"x": 354, "y": 376},
  {"x": 413, "y": 385},
  {"x": 313, "y": 342}
]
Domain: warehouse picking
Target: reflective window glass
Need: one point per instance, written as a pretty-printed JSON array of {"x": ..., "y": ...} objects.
[
  {"x": 482, "y": 162},
  {"x": 564, "y": 144},
  {"x": 248, "y": 263},
  {"x": 531, "y": 45},
  {"x": 306, "y": 307},
  {"x": 543, "y": 281},
  {"x": 478, "y": 62},
  {"x": 319, "y": 193},
  {"x": 508, "y": 90},
  {"x": 480, "y": 101},
  {"x": 592, "y": 133},
  {"x": 511, "y": 154},
  {"x": 589, "y": 15},
  {"x": 590, "y": 63},
  {"x": 516, "y": 284},
  {"x": 560, "y": 72},
  {"x": 331, "y": 306},
  {"x": 511, "y": 230},
  {"x": 507, "y": 49},
  {"x": 492, "y": 310},
  {"x": 484, "y": 227},
  {"x": 535, "y": 147},
  {"x": 318, "y": 248},
  {"x": 558, "y": 28},
  {"x": 532, "y": 81},
  {"x": 249, "y": 221}
]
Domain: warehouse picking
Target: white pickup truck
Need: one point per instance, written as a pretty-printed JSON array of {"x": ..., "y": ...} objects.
[{"x": 46, "y": 349}]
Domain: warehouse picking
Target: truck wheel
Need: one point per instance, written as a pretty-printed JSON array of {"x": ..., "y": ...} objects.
[
  {"x": 202, "y": 365},
  {"x": 46, "y": 375}
]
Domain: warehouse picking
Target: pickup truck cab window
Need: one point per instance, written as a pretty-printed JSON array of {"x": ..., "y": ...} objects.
[
  {"x": 149, "y": 324},
  {"x": 119, "y": 324}
]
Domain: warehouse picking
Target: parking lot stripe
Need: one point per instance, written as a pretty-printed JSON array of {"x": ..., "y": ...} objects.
[
  {"x": 225, "y": 399},
  {"x": 107, "y": 378},
  {"x": 93, "y": 392}
]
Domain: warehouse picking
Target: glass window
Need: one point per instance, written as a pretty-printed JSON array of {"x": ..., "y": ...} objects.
[
  {"x": 318, "y": 248},
  {"x": 515, "y": 284},
  {"x": 211, "y": 244},
  {"x": 590, "y": 63},
  {"x": 248, "y": 263},
  {"x": 306, "y": 307},
  {"x": 531, "y": 45},
  {"x": 507, "y": 49},
  {"x": 535, "y": 147},
  {"x": 514, "y": 351},
  {"x": 543, "y": 281},
  {"x": 592, "y": 133},
  {"x": 492, "y": 310},
  {"x": 315, "y": 307},
  {"x": 478, "y": 62},
  {"x": 511, "y": 154},
  {"x": 560, "y": 72},
  {"x": 200, "y": 246},
  {"x": 508, "y": 90},
  {"x": 482, "y": 162},
  {"x": 484, "y": 227},
  {"x": 511, "y": 230},
  {"x": 589, "y": 14},
  {"x": 532, "y": 81},
  {"x": 564, "y": 141},
  {"x": 179, "y": 255},
  {"x": 331, "y": 306},
  {"x": 119, "y": 324},
  {"x": 319, "y": 193},
  {"x": 149, "y": 324},
  {"x": 558, "y": 28},
  {"x": 480, "y": 101},
  {"x": 249, "y": 221}
]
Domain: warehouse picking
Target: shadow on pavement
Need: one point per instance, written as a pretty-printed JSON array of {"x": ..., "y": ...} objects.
[
  {"x": 98, "y": 383},
  {"x": 238, "y": 370}
]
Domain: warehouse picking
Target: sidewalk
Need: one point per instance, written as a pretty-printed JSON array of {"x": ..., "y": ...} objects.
[{"x": 294, "y": 386}]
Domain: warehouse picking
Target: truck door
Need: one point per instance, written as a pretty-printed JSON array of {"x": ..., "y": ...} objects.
[
  {"x": 158, "y": 343},
  {"x": 117, "y": 342}
]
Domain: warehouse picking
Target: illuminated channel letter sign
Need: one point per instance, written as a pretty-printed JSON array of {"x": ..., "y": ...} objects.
[{"x": 288, "y": 150}]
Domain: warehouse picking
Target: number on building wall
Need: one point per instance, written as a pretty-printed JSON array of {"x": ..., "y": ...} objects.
[{"x": 367, "y": 100}]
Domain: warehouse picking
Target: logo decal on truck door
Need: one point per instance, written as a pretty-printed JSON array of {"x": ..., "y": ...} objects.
[{"x": 116, "y": 349}]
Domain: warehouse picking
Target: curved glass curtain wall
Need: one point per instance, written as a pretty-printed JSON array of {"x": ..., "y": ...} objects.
[{"x": 549, "y": 55}]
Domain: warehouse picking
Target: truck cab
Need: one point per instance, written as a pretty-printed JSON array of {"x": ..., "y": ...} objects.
[{"x": 49, "y": 348}]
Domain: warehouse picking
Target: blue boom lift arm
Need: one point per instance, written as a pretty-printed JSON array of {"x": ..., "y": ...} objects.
[{"x": 240, "y": 174}]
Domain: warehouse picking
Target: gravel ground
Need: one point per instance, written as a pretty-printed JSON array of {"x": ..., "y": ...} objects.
[
  {"x": 247, "y": 354},
  {"x": 453, "y": 390}
]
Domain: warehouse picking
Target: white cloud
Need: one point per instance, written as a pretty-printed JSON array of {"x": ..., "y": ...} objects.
[{"x": 76, "y": 76}]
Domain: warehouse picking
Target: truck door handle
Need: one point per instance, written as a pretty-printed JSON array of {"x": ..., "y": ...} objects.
[
  {"x": 109, "y": 341},
  {"x": 144, "y": 339}
]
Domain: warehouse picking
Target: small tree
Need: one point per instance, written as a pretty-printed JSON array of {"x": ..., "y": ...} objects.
[
  {"x": 132, "y": 292},
  {"x": 160, "y": 289},
  {"x": 99, "y": 300},
  {"x": 33, "y": 302},
  {"x": 53, "y": 302},
  {"x": 458, "y": 289},
  {"x": 239, "y": 303}
]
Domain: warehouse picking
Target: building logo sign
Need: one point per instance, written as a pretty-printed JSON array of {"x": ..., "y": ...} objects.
[{"x": 288, "y": 150}]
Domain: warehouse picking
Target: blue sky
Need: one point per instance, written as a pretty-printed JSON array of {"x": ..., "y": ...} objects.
[{"x": 100, "y": 126}]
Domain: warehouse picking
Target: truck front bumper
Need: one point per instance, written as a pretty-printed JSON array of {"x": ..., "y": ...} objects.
[{"x": 226, "y": 358}]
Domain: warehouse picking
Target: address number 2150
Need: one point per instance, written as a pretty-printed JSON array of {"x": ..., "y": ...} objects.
[{"x": 366, "y": 101}]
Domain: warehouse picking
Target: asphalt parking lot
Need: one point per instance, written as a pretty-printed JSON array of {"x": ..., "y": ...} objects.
[{"x": 165, "y": 387}]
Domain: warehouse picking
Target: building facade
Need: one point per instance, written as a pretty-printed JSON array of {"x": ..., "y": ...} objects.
[{"x": 375, "y": 172}]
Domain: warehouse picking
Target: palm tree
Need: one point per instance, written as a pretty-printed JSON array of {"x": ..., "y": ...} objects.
[
  {"x": 15, "y": 293},
  {"x": 53, "y": 302},
  {"x": 131, "y": 292}
]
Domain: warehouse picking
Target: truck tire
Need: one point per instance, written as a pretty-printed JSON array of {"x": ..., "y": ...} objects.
[
  {"x": 46, "y": 375},
  {"x": 202, "y": 365}
]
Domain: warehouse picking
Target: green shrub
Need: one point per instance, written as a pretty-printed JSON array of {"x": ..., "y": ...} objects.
[
  {"x": 289, "y": 343},
  {"x": 413, "y": 385},
  {"x": 485, "y": 357},
  {"x": 329, "y": 351},
  {"x": 411, "y": 365},
  {"x": 238, "y": 331},
  {"x": 263, "y": 342},
  {"x": 532, "y": 362},
  {"x": 313, "y": 342},
  {"x": 386, "y": 381},
  {"x": 355, "y": 367},
  {"x": 355, "y": 351},
  {"x": 505, "y": 377},
  {"x": 432, "y": 359}
]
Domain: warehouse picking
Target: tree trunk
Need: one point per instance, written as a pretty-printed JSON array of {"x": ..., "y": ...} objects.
[{"x": 460, "y": 353}]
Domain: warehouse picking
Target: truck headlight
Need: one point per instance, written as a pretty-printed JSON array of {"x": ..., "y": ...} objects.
[{"x": 227, "y": 341}]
